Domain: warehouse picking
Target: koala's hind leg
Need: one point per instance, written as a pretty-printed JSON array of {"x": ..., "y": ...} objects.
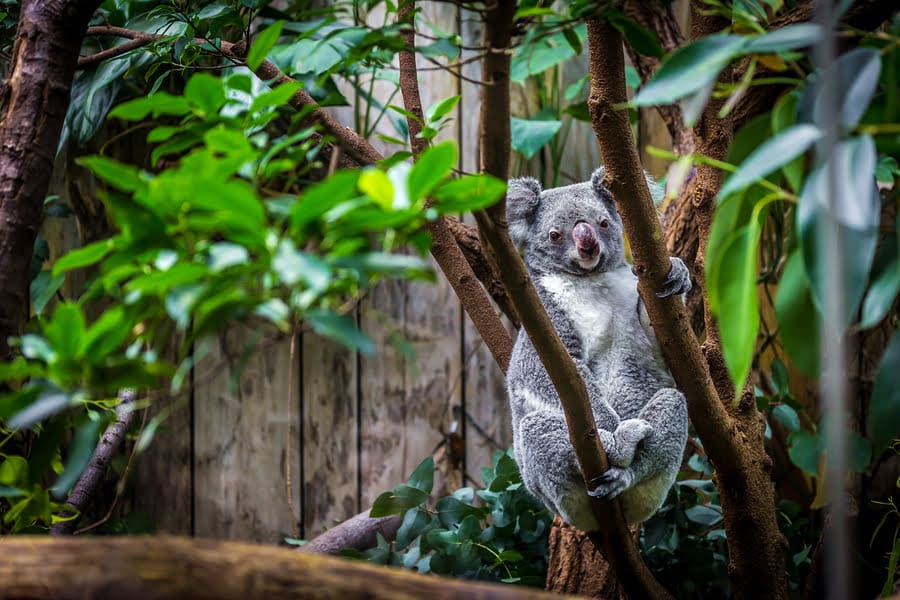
[
  {"x": 646, "y": 482},
  {"x": 549, "y": 469},
  {"x": 621, "y": 445}
]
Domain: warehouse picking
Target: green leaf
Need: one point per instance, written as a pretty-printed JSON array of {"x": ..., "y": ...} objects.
[
  {"x": 805, "y": 450},
  {"x": 19, "y": 369},
  {"x": 206, "y": 92},
  {"x": 689, "y": 69},
  {"x": 798, "y": 319},
  {"x": 440, "y": 109},
  {"x": 340, "y": 328},
  {"x": 275, "y": 97},
  {"x": 36, "y": 347},
  {"x": 65, "y": 331},
  {"x": 771, "y": 155},
  {"x": 704, "y": 515},
  {"x": 783, "y": 116},
  {"x": 885, "y": 283},
  {"x": 734, "y": 278},
  {"x": 403, "y": 498},
  {"x": 10, "y": 492},
  {"x": 431, "y": 167},
  {"x": 644, "y": 41},
  {"x": 106, "y": 334},
  {"x": 884, "y": 410},
  {"x": 322, "y": 197},
  {"x": 376, "y": 184},
  {"x": 46, "y": 405},
  {"x": 84, "y": 256},
  {"x": 80, "y": 452},
  {"x": 792, "y": 37},
  {"x": 263, "y": 43},
  {"x": 159, "y": 283},
  {"x": 853, "y": 80},
  {"x": 469, "y": 193},
  {"x": 125, "y": 177},
  {"x": 787, "y": 416},
  {"x": 156, "y": 104},
  {"x": 44, "y": 288},
  {"x": 293, "y": 265},
  {"x": 422, "y": 476},
  {"x": 856, "y": 210},
  {"x": 528, "y": 136},
  {"x": 14, "y": 471}
]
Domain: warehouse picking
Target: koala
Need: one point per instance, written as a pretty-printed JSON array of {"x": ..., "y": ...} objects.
[{"x": 573, "y": 246}]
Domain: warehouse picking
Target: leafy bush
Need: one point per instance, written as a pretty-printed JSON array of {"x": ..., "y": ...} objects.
[{"x": 498, "y": 533}]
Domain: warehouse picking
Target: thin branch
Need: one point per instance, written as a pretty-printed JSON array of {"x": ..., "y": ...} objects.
[
  {"x": 84, "y": 61},
  {"x": 83, "y": 492},
  {"x": 613, "y": 537},
  {"x": 359, "y": 532}
]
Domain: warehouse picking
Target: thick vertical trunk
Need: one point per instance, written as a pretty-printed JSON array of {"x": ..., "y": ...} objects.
[{"x": 35, "y": 98}]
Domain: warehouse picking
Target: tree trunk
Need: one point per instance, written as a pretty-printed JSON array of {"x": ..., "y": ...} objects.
[
  {"x": 35, "y": 99},
  {"x": 577, "y": 566}
]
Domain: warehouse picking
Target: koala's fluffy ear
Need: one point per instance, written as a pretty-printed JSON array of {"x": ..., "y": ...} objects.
[
  {"x": 602, "y": 191},
  {"x": 656, "y": 191},
  {"x": 522, "y": 198}
]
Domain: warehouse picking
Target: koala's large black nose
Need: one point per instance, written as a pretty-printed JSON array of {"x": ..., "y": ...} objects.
[{"x": 585, "y": 240}]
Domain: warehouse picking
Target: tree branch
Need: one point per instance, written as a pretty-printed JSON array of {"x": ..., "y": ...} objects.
[
  {"x": 170, "y": 568},
  {"x": 359, "y": 532},
  {"x": 613, "y": 537},
  {"x": 731, "y": 441},
  {"x": 84, "y": 490}
]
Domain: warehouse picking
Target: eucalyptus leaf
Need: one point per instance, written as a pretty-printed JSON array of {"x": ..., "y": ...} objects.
[
  {"x": 792, "y": 37},
  {"x": 529, "y": 136},
  {"x": 82, "y": 448},
  {"x": 884, "y": 409},
  {"x": 263, "y": 43}
]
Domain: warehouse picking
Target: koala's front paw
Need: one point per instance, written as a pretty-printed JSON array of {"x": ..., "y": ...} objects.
[
  {"x": 678, "y": 280},
  {"x": 612, "y": 483}
]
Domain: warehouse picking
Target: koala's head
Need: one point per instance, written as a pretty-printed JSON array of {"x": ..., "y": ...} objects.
[{"x": 574, "y": 229}]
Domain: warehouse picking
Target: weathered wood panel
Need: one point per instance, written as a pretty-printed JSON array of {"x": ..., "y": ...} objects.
[
  {"x": 329, "y": 443},
  {"x": 241, "y": 437}
]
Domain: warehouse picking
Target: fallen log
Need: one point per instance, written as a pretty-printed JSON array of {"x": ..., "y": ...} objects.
[{"x": 165, "y": 567}]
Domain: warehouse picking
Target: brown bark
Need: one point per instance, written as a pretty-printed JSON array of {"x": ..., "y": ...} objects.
[
  {"x": 359, "y": 532},
  {"x": 35, "y": 98},
  {"x": 732, "y": 441},
  {"x": 163, "y": 568},
  {"x": 87, "y": 485},
  {"x": 613, "y": 537},
  {"x": 577, "y": 566}
]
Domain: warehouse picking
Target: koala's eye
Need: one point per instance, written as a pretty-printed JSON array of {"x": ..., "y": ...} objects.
[
  {"x": 604, "y": 223},
  {"x": 555, "y": 235}
]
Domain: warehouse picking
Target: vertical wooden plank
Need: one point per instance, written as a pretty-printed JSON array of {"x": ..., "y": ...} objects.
[
  {"x": 330, "y": 450},
  {"x": 488, "y": 423},
  {"x": 241, "y": 438}
]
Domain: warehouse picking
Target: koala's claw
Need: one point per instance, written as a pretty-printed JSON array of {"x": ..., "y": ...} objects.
[
  {"x": 678, "y": 281},
  {"x": 611, "y": 484}
]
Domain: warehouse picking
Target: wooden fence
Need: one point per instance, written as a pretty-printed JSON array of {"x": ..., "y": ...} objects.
[{"x": 305, "y": 438}]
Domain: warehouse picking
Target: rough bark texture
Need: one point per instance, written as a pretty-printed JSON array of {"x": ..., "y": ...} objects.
[
  {"x": 162, "y": 568},
  {"x": 34, "y": 98},
  {"x": 577, "y": 566},
  {"x": 90, "y": 480},
  {"x": 613, "y": 537},
  {"x": 732, "y": 441},
  {"x": 356, "y": 533}
]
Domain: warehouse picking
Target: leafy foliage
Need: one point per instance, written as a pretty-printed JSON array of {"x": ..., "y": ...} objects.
[{"x": 497, "y": 533}]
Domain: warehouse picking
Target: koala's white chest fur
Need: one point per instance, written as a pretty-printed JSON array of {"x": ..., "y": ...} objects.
[{"x": 603, "y": 308}]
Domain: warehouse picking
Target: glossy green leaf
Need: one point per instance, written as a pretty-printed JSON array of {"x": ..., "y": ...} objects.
[
  {"x": 125, "y": 177},
  {"x": 644, "y": 41},
  {"x": 84, "y": 256},
  {"x": 46, "y": 405},
  {"x": 65, "y": 331},
  {"x": 376, "y": 184},
  {"x": 738, "y": 312},
  {"x": 432, "y": 166},
  {"x": 805, "y": 451},
  {"x": 14, "y": 471},
  {"x": 884, "y": 409},
  {"x": 398, "y": 501},
  {"x": 206, "y": 93},
  {"x": 106, "y": 334},
  {"x": 689, "y": 69},
  {"x": 441, "y": 108},
  {"x": 787, "y": 416},
  {"x": 855, "y": 212},
  {"x": 43, "y": 288},
  {"x": 798, "y": 318},
  {"x": 783, "y": 117},
  {"x": 469, "y": 193},
  {"x": 422, "y": 476},
  {"x": 792, "y": 37},
  {"x": 156, "y": 104},
  {"x": 703, "y": 515},
  {"x": 262, "y": 44},
  {"x": 340, "y": 328},
  {"x": 771, "y": 155},
  {"x": 80, "y": 451},
  {"x": 528, "y": 136},
  {"x": 293, "y": 266},
  {"x": 852, "y": 79},
  {"x": 885, "y": 283},
  {"x": 544, "y": 53},
  {"x": 322, "y": 197},
  {"x": 276, "y": 97}
]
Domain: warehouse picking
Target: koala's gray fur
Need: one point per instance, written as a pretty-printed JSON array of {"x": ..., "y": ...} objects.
[{"x": 641, "y": 417}]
